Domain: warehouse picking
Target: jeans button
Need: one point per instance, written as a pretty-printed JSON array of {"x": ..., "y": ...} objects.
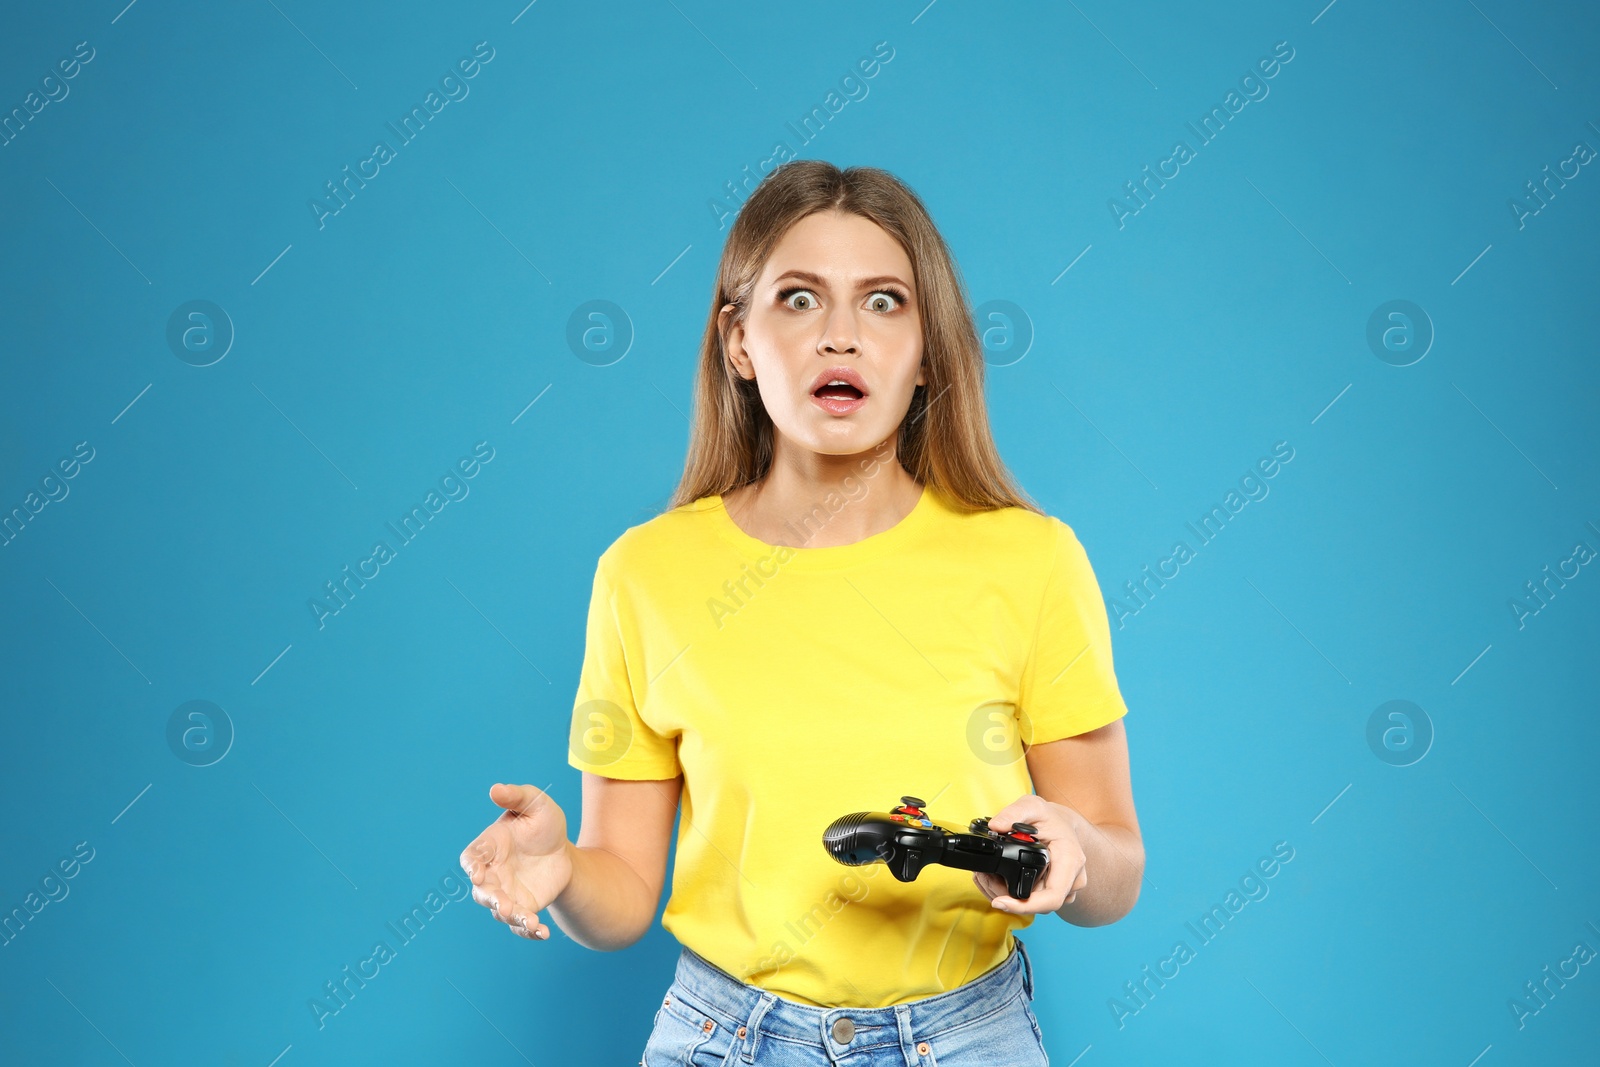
[
  {"x": 922, "y": 1048},
  {"x": 844, "y": 1028}
]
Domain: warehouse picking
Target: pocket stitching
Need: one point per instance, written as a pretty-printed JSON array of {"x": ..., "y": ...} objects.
[
  {"x": 701, "y": 1012},
  {"x": 679, "y": 1051},
  {"x": 1038, "y": 1033}
]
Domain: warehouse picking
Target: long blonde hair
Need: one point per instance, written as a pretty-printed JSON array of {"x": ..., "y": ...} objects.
[{"x": 944, "y": 442}]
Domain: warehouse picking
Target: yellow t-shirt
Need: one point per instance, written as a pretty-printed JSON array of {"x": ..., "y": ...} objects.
[{"x": 790, "y": 686}]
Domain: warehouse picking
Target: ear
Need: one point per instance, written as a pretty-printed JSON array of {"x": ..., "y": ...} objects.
[{"x": 733, "y": 342}]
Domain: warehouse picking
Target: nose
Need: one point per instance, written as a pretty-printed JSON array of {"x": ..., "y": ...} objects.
[{"x": 839, "y": 335}]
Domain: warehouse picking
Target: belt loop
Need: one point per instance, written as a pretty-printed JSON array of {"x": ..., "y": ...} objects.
[
  {"x": 752, "y": 1028},
  {"x": 908, "y": 1041},
  {"x": 1027, "y": 967}
]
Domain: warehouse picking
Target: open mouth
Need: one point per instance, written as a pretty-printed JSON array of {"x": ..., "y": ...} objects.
[{"x": 839, "y": 390}]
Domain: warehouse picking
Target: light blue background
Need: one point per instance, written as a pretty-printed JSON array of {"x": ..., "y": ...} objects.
[{"x": 1228, "y": 314}]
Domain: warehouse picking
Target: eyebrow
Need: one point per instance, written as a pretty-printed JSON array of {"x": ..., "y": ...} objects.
[{"x": 862, "y": 283}]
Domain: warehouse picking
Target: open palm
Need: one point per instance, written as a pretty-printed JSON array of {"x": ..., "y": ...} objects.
[{"x": 520, "y": 863}]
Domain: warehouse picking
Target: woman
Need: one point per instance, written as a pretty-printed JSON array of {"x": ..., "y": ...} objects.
[{"x": 846, "y": 601}]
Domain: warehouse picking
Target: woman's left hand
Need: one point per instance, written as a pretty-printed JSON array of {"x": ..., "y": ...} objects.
[{"x": 1065, "y": 874}]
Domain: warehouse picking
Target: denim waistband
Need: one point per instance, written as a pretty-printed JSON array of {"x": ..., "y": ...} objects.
[{"x": 760, "y": 1012}]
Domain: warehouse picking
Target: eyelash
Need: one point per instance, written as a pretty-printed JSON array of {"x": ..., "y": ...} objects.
[{"x": 785, "y": 294}]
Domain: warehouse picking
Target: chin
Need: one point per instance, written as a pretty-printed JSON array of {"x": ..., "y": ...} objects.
[{"x": 851, "y": 444}]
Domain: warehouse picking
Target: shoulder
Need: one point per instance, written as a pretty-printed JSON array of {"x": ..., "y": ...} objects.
[
  {"x": 658, "y": 541},
  {"x": 1019, "y": 532},
  {"x": 1038, "y": 551}
]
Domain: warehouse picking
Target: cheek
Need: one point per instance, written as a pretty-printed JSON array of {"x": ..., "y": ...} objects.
[
  {"x": 901, "y": 346},
  {"x": 777, "y": 394},
  {"x": 778, "y": 368},
  {"x": 904, "y": 369},
  {"x": 778, "y": 353}
]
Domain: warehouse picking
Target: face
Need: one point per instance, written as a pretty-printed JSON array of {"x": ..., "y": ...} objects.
[{"x": 835, "y": 300}]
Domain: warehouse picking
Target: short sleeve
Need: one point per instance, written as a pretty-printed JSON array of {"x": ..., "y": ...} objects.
[
  {"x": 608, "y": 736},
  {"x": 1068, "y": 685}
]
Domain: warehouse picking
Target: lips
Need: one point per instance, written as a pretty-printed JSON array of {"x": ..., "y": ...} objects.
[{"x": 855, "y": 387}]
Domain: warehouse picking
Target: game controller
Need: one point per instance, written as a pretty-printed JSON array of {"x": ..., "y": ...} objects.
[{"x": 907, "y": 840}]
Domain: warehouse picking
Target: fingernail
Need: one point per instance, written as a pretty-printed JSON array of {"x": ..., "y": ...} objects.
[{"x": 543, "y": 935}]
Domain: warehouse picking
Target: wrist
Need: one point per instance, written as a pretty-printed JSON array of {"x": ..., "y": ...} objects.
[
  {"x": 1080, "y": 825},
  {"x": 569, "y": 851}
]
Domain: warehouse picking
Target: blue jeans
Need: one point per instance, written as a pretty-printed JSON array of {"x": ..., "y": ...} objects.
[{"x": 710, "y": 1018}]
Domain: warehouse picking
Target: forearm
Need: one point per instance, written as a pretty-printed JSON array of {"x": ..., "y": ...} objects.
[
  {"x": 606, "y": 906},
  {"x": 1114, "y": 860}
]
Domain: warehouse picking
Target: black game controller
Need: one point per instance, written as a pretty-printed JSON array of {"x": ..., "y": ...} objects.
[{"x": 907, "y": 840}]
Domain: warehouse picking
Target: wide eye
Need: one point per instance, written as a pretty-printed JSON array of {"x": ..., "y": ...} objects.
[
  {"x": 884, "y": 296},
  {"x": 806, "y": 299}
]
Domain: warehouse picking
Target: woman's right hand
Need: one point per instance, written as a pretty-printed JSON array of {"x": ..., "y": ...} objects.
[{"x": 520, "y": 863}]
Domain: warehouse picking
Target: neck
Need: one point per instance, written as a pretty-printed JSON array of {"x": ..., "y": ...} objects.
[{"x": 818, "y": 501}]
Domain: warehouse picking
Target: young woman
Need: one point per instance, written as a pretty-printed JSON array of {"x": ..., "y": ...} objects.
[{"x": 847, "y": 601}]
